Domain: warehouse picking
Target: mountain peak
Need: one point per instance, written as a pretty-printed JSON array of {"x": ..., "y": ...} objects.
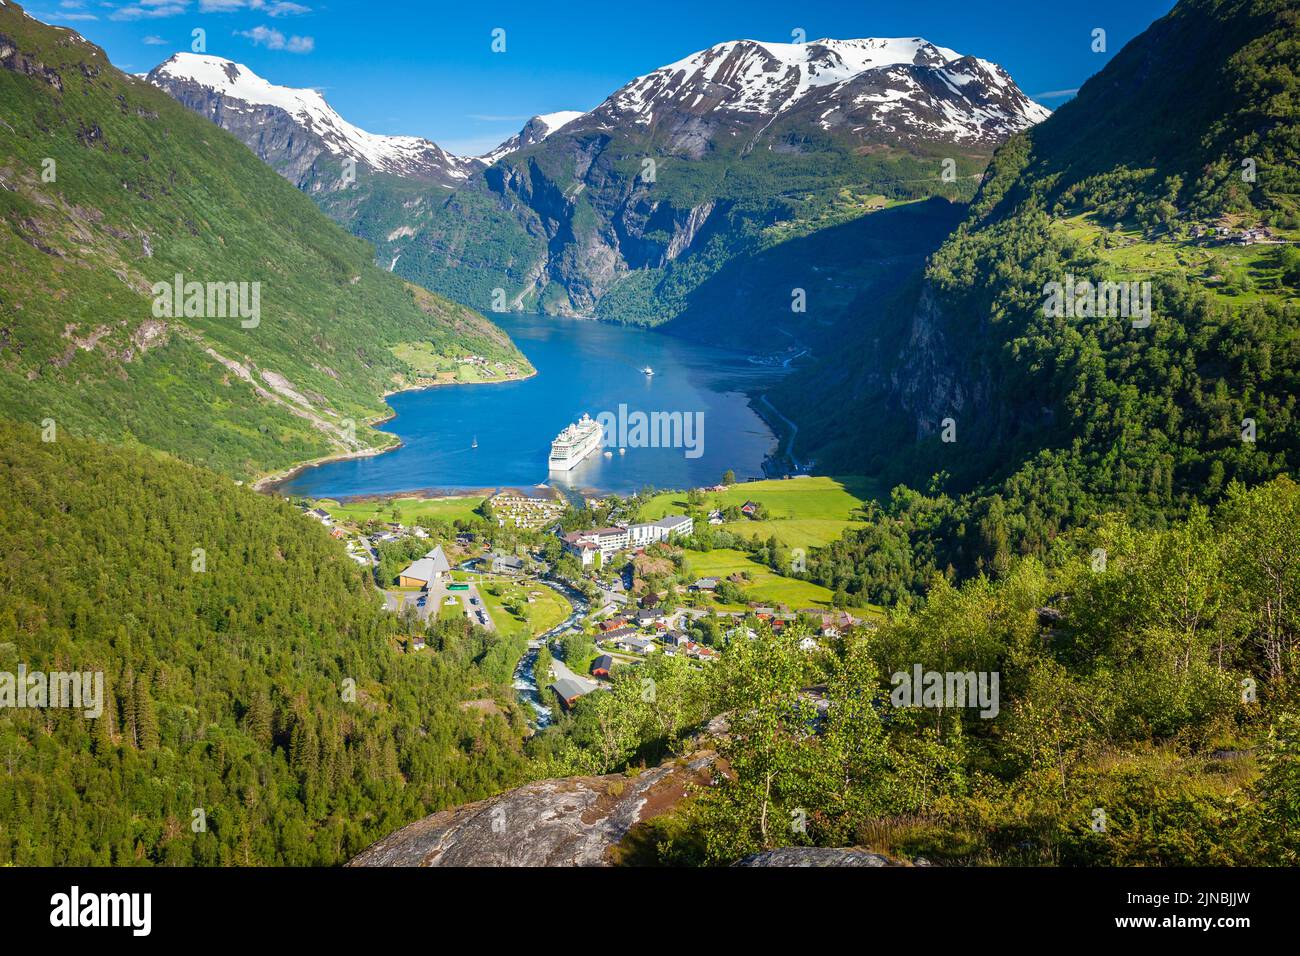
[
  {"x": 534, "y": 131},
  {"x": 218, "y": 87},
  {"x": 906, "y": 85}
]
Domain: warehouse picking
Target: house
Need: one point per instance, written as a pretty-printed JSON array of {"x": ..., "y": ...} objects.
[
  {"x": 674, "y": 638},
  {"x": 417, "y": 644},
  {"x": 663, "y": 529},
  {"x": 715, "y": 517},
  {"x": 617, "y": 635},
  {"x": 636, "y": 644},
  {"x": 704, "y": 584},
  {"x": 699, "y": 651},
  {"x": 836, "y": 623},
  {"x": 430, "y": 568},
  {"x": 808, "y": 644},
  {"x": 602, "y": 665},
  {"x": 337, "y": 533},
  {"x": 507, "y": 564},
  {"x": 649, "y": 615},
  {"x": 749, "y": 509},
  {"x": 614, "y": 623},
  {"x": 321, "y": 515},
  {"x": 651, "y": 599},
  {"x": 569, "y": 689}
]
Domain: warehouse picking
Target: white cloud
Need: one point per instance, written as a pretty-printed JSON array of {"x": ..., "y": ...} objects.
[
  {"x": 154, "y": 41},
  {"x": 150, "y": 10},
  {"x": 274, "y": 8},
  {"x": 273, "y": 39}
]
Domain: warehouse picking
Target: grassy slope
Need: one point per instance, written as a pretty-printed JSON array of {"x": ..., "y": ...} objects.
[
  {"x": 803, "y": 512},
  {"x": 145, "y": 189}
]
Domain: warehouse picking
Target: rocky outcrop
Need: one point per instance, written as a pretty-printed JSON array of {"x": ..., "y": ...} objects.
[
  {"x": 571, "y": 821},
  {"x": 818, "y": 856}
]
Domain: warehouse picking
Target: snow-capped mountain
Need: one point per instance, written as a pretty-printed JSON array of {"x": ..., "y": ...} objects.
[
  {"x": 292, "y": 129},
  {"x": 901, "y": 88},
  {"x": 534, "y": 131}
]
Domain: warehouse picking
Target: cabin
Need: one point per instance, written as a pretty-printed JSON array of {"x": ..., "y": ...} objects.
[
  {"x": 570, "y": 689},
  {"x": 602, "y": 665},
  {"x": 431, "y": 568}
]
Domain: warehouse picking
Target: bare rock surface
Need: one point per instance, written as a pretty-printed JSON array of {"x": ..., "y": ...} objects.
[
  {"x": 818, "y": 856},
  {"x": 570, "y": 821}
]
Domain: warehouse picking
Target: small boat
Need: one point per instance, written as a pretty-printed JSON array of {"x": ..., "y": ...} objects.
[
  {"x": 649, "y": 372},
  {"x": 474, "y": 443},
  {"x": 622, "y": 451},
  {"x": 609, "y": 454}
]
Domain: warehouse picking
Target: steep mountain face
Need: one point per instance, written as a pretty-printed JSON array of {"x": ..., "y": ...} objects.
[
  {"x": 295, "y": 131},
  {"x": 249, "y": 362},
  {"x": 1176, "y": 166},
  {"x": 696, "y": 176}
]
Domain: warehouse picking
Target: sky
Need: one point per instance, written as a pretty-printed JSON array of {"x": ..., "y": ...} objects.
[{"x": 429, "y": 68}]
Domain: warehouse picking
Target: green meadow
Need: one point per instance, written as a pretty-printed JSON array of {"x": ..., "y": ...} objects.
[{"x": 802, "y": 512}]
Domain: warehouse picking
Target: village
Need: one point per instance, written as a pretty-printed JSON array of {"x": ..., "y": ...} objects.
[{"x": 599, "y": 598}]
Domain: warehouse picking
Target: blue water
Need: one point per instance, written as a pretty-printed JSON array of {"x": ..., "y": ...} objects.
[{"x": 582, "y": 366}]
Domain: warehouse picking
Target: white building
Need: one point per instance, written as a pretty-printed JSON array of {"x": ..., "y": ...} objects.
[{"x": 667, "y": 527}]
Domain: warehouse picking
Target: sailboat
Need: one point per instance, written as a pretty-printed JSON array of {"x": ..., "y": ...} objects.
[
  {"x": 474, "y": 443},
  {"x": 649, "y": 372}
]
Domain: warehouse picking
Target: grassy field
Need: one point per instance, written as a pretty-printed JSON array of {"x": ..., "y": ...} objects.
[
  {"x": 767, "y": 586},
  {"x": 548, "y": 609},
  {"x": 802, "y": 512},
  {"x": 1220, "y": 269},
  {"x": 412, "y": 509}
]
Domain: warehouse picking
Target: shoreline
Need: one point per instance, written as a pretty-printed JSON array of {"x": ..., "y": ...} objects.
[
  {"x": 270, "y": 482},
  {"x": 776, "y": 464}
]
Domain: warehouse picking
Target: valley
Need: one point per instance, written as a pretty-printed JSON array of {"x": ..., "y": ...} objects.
[{"x": 938, "y": 508}]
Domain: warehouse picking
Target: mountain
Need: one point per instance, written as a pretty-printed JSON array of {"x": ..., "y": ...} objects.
[
  {"x": 294, "y": 130},
  {"x": 534, "y": 131},
  {"x": 109, "y": 190},
  {"x": 707, "y": 190},
  {"x": 703, "y": 193},
  {"x": 870, "y": 91},
  {"x": 1174, "y": 173}
]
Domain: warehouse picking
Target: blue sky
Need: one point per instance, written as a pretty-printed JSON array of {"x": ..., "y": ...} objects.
[{"x": 427, "y": 68}]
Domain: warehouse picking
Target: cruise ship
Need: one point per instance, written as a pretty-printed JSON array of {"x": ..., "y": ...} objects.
[{"x": 575, "y": 443}]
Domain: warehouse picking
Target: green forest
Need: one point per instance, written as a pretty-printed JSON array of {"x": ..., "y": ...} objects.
[{"x": 251, "y": 675}]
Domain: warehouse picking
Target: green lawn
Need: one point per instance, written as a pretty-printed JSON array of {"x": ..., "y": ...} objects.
[
  {"x": 767, "y": 586},
  {"x": 802, "y": 512},
  {"x": 547, "y": 610},
  {"x": 411, "y": 509}
]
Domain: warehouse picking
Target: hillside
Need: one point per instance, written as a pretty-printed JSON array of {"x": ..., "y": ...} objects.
[
  {"x": 1143, "y": 178},
  {"x": 228, "y": 628},
  {"x": 108, "y": 187}
]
